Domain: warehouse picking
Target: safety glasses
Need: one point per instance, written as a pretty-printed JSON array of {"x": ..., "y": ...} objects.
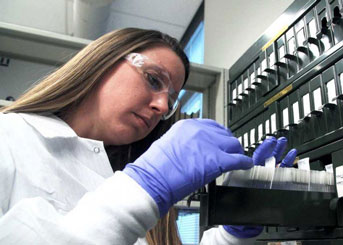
[{"x": 156, "y": 78}]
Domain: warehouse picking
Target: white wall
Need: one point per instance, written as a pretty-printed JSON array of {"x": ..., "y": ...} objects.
[
  {"x": 19, "y": 76},
  {"x": 48, "y": 15},
  {"x": 232, "y": 26}
]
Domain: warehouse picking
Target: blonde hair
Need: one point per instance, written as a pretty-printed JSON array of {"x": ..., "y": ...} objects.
[
  {"x": 70, "y": 84},
  {"x": 165, "y": 232},
  {"x": 67, "y": 86}
]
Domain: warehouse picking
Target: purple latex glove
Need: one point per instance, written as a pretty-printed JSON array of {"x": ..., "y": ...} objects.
[
  {"x": 269, "y": 147},
  {"x": 190, "y": 155},
  {"x": 289, "y": 159},
  {"x": 242, "y": 231},
  {"x": 272, "y": 147}
]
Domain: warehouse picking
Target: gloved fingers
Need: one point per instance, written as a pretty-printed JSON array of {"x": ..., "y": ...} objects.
[
  {"x": 213, "y": 123},
  {"x": 289, "y": 159},
  {"x": 233, "y": 161},
  {"x": 242, "y": 231},
  {"x": 209, "y": 131},
  {"x": 223, "y": 142},
  {"x": 229, "y": 144},
  {"x": 279, "y": 149},
  {"x": 264, "y": 151}
]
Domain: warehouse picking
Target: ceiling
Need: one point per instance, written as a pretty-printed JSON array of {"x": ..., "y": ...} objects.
[
  {"x": 169, "y": 16},
  {"x": 100, "y": 16}
]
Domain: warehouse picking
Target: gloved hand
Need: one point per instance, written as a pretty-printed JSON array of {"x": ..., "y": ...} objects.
[
  {"x": 191, "y": 154},
  {"x": 242, "y": 231},
  {"x": 269, "y": 147},
  {"x": 272, "y": 147}
]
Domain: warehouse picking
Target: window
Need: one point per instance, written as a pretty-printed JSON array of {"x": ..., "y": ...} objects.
[
  {"x": 195, "y": 46},
  {"x": 193, "y": 43},
  {"x": 193, "y": 39},
  {"x": 188, "y": 226},
  {"x": 191, "y": 102}
]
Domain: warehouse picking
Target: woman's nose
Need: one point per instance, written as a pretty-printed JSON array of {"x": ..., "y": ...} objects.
[{"x": 160, "y": 103}]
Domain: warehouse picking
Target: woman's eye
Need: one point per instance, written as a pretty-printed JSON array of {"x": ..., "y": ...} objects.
[{"x": 154, "y": 82}]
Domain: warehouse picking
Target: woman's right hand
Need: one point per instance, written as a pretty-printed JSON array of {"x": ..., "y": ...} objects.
[
  {"x": 190, "y": 155},
  {"x": 269, "y": 147},
  {"x": 274, "y": 147}
]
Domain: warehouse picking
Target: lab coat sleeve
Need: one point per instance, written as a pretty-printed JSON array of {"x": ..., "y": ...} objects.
[
  {"x": 7, "y": 173},
  {"x": 218, "y": 236},
  {"x": 118, "y": 212}
]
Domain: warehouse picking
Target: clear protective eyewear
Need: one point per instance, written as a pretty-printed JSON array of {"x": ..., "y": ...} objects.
[{"x": 156, "y": 78}]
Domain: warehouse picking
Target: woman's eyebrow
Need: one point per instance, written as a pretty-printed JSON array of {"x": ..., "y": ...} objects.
[
  {"x": 168, "y": 75},
  {"x": 162, "y": 70}
]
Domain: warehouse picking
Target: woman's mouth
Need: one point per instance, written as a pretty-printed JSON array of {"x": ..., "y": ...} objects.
[{"x": 142, "y": 120}]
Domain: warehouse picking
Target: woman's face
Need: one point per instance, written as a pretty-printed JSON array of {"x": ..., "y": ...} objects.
[{"x": 124, "y": 109}]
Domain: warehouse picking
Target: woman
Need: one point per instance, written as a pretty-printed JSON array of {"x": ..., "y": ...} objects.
[{"x": 56, "y": 182}]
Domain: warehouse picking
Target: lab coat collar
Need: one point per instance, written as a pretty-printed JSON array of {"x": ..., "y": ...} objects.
[
  {"x": 49, "y": 126},
  {"x": 52, "y": 127}
]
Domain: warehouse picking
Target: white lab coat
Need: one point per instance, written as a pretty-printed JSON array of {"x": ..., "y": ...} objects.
[{"x": 58, "y": 188}]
